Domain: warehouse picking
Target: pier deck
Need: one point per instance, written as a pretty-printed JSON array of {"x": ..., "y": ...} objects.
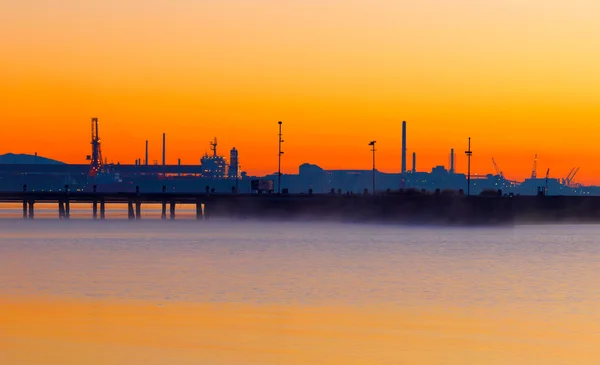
[{"x": 386, "y": 207}]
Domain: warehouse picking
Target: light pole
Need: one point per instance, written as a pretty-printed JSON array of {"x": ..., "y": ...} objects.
[
  {"x": 372, "y": 143},
  {"x": 469, "y": 153},
  {"x": 279, "y": 161}
]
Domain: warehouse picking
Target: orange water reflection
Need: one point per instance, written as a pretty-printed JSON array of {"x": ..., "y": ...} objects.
[{"x": 64, "y": 331}]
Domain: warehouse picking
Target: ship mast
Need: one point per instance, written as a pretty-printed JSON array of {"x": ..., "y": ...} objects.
[{"x": 213, "y": 147}]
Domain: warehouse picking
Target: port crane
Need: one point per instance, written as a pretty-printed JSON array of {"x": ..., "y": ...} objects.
[
  {"x": 568, "y": 181},
  {"x": 498, "y": 171},
  {"x": 534, "y": 170}
]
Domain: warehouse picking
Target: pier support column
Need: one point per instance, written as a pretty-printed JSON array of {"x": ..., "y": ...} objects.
[
  {"x": 102, "y": 209},
  {"x": 206, "y": 212},
  {"x": 198, "y": 210},
  {"x": 130, "y": 212},
  {"x": 67, "y": 209},
  {"x": 138, "y": 210},
  {"x": 61, "y": 209},
  {"x": 163, "y": 214},
  {"x": 95, "y": 209},
  {"x": 24, "y": 209},
  {"x": 31, "y": 209},
  {"x": 172, "y": 210}
]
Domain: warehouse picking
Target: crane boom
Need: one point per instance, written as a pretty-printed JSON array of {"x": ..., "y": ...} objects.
[
  {"x": 573, "y": 177},
  {"x": 498, "y": 171},
  {"x": 569, "y": 177}
]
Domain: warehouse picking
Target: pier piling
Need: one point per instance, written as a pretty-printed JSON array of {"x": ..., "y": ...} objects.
[
  {"x": 163, "y": 214},
  {"x": 67, "y": 209},
  {"x": 172, "y": 210},
  {"x": 95, "y": 209},
  {"x": 61, "y": 209},
  {"x": 24, "y": 209},
  {"x": 102, "y": 209},
  {"x": 31, "y": 209},
  {"x": 198, "y": 210},
  {"x": 138, "y": 210},
  {"x": 67, "y": 203},
  {"x": 130, "y": 212}
]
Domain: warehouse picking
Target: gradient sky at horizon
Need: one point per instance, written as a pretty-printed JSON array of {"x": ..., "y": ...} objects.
[{"x": 518, "y": 77}]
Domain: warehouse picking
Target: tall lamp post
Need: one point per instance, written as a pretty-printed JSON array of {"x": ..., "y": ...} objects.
[
  {"x": 372, "y": 144},
  {"x": 469, "y": 153},
  {"x": 279, "y": 161}
]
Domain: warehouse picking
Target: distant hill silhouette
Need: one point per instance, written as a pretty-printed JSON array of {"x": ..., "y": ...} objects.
[{"x": 11, "y": 158}]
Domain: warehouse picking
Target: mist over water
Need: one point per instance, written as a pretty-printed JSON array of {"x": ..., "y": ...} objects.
[
  {"x": 523, "y": 272},
  {"x": 527, "y": 267}
]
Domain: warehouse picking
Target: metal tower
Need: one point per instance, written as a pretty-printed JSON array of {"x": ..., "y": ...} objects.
[
  {"x": 96, "y": 163},
  {"x": 469, "y": 153}
]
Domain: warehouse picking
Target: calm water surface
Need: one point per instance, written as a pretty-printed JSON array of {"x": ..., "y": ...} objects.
[{"x": 299, "y": 293}]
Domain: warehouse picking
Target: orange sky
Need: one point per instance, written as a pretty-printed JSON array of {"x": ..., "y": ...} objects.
[{"x": 518, "y": 77}]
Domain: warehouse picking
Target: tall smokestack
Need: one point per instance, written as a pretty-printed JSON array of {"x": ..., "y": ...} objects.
[
  {"x": 146, "y": 152},
  {"x": 404, "y": 147},
  {"x": 164, "y": 149},
  {"x": 452, "y": 160},
  {"x": 414, "y": 165}
]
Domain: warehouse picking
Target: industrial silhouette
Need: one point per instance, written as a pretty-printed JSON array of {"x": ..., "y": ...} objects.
[{"x": 224, "y": 176}]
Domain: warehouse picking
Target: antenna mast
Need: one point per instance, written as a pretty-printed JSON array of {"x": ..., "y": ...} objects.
[{"x": 213, "y": 147}]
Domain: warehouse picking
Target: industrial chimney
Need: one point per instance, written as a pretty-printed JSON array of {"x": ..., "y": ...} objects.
[
  {"x": 233, "y": 172},
  {"x": 164, "y": 156},
  {"x": 146, "y": 152},
  {"x": 452, "y": 160},
  {"x": 404, "y": 147},
  {"x": 414, "y": 165}
]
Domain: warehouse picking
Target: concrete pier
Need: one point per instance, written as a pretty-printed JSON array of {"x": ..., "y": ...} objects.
[{"x": 402, "y": 207}]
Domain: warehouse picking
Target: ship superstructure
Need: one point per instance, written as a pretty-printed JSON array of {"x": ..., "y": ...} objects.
[{"x": 213, "y": 166}]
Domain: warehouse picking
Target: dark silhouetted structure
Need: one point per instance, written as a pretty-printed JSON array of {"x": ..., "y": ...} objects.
[
  {"x": 96, "y": 156},
  {"x": 403, "y": 170},
  {"x": 372, "y": 144},
  {"x": 279, "y": 160},
  {"x": 164, "y": 149},
  {"x": 469, "y": 153}
]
